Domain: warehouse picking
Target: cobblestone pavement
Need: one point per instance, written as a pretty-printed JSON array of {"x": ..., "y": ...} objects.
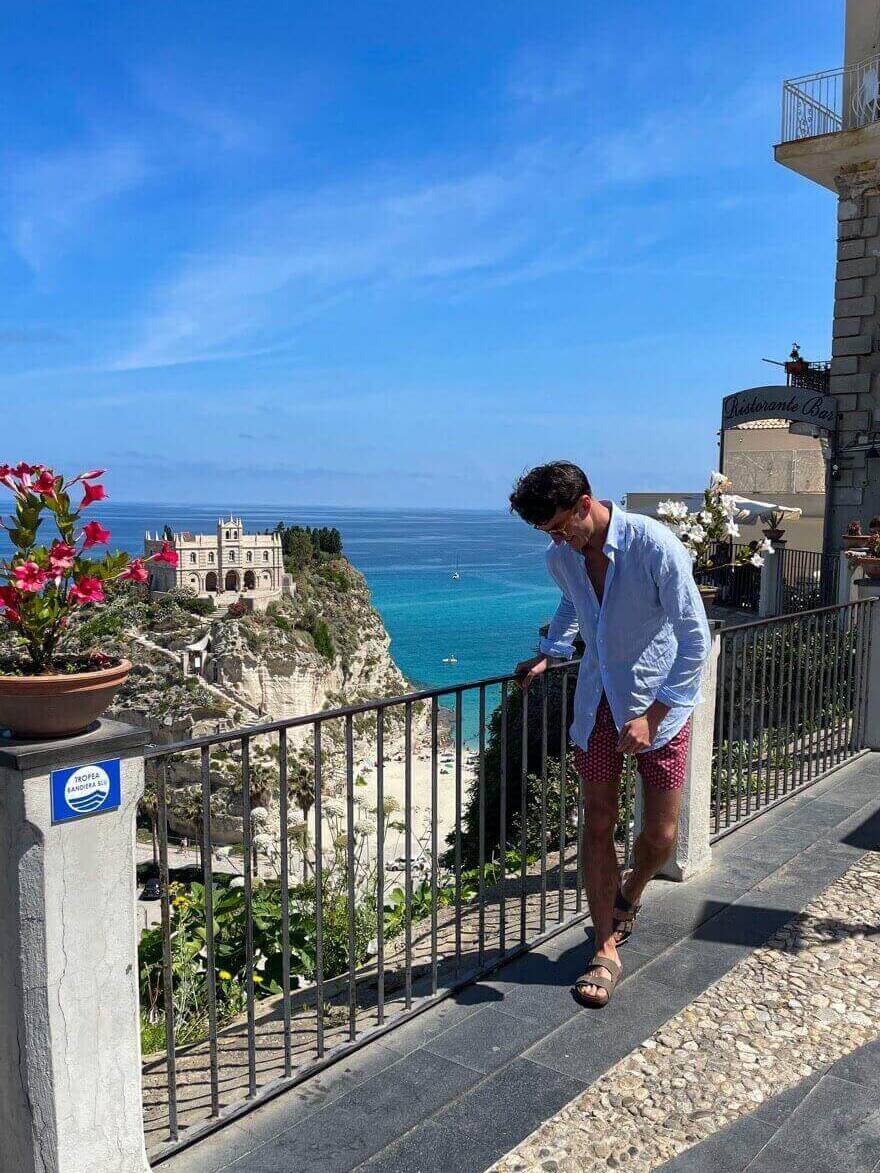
[{"x": 789, "y": 1010}]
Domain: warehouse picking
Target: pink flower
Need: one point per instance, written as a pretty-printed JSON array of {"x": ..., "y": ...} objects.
[
  {"x": 8, "y": 596},
  {"x": 11, "y": 614},
  {"x": 45, "y": 484},
  {"x": 22, "y": 473},
  {"x": 166, "y": 554},
  {"x": 86, "y": 590},
  {"x": 95, "y": 535},
  {"x": 92, "y": 493},
  {"x": 7, "y": 477},
  {"x": 89, "y": 476},
  {"x": 29, "y": 577},
  {"x": 61, "y": 557},
  {"x": 135, "y": 572}
]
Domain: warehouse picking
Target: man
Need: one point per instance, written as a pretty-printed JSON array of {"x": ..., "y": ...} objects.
[{"x": 627, "y": 584}]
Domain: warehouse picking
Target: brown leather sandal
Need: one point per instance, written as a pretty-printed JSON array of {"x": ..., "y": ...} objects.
[
  {"x": 625, "y": 913},
  {"x": 592, "y": 977}
]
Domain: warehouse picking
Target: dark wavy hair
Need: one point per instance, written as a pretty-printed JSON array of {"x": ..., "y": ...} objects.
[{"x": 543, "y": 491}]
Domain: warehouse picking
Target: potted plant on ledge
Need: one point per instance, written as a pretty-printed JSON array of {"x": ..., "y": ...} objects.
[
  {"x": 773, "y": 530},
  {"x": 853, "y": 538},
  {"x": 869, "y": 557},
  {"x": 47, "y": 689},
  {"x": 708, "y": 535}
]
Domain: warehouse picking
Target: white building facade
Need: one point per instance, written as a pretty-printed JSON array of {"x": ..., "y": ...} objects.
[{"x": 226, "y": 566}]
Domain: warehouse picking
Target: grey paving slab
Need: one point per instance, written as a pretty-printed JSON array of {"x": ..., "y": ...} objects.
[
  {"x": 481, "y": 1127},
  {"x": 214, "y": 1153},
  {"x": 748, "y": 922},
  {"x": 728, "y": 1151},
  {"x": 777, "y": 1110},
  {"x": 693, "y": 965},
  {"x": 860, "y": 1066},
  {"x": 835, "y": 1127},
  {"x": 594, "y": 1040},
  {"x": 487, "y": 1040}
]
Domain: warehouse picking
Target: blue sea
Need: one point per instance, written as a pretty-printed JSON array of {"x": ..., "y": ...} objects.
[{"x": 488, "y": 619}]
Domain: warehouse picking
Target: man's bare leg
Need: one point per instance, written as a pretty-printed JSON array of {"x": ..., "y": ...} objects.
[
  {"x": 601, "y": 877},
  {"x": 654, "y": 844}
]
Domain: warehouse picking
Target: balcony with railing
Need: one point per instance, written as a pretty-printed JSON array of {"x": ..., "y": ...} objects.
[{"x": 830, "y": 119}]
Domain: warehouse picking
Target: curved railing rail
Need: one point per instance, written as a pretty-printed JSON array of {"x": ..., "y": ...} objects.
[{"x": 836, "y": 99}]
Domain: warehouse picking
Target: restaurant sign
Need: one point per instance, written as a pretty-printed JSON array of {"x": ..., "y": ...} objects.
[{"x": 797, "y": 404}]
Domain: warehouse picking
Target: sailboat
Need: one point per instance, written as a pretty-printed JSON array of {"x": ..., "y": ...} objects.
[
  {"x": 455, "y": 574},
  {"x": 450, "y": 660}
]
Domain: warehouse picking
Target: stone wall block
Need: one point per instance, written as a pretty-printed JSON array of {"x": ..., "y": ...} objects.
[
  {"x": 870, "y": 226},
  {"x": 860, "y": 267},
  {"x": 850, "y": 250},
  {"x": 859, "y": 420},
  {"x": 847, "y": 402},
  {"x": 849, "y": 229},
  {"x": 861, "y": 344},
  {"x": 851, "y": 287},
  {"x": 846, "y": 327},
  {"x": 848, "y": 496},
  {"x": 854, "y": 384},
  {"x": 849, "y": 209},
  {"x": 844, "y": 365},
  {"x": 870, "y": 199},
  {"x": 859, "y": 306},
  {"x": 844, "y": 477}
]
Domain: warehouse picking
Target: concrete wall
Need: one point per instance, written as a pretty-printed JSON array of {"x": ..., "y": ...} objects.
[{"x": 862, "y": 30}]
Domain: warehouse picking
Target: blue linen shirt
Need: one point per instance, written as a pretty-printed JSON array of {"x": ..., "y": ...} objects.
[{"x": 647, "y": 641}]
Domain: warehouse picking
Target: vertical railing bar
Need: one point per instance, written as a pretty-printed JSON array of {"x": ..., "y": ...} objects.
[
  {"x": 734, "y": 641},
  {"x": 814, "y": 697},
  {"x": 407, "y": 812},
  {"x": 167, "y": 968},
  {"x": 776, "y": 703},
  {"x": 852, "y": 659},
  {"x": 349, "y": 869},
  {"x": 718, "y": 732},
  {"x": 839, "y": 619},
  {"x": 579, "y": 899},
  {"x": 752, "y": 724},
  {"x": 247, "y": 847},
  {"x": 542, "y": 924},
  {"x": 285, "y": 894},
  {"x": 434, "y": 845},
  {"x": 827, "y": 720},
  {"x": 742, "y": 719},
  {"x": 563, "y": 778},
  {"x": 458, "y": 753},
  {"x": 787, "y": 757},
  {"x": 801, "y": 692},
  {"x": 319, "y": 888},
  {"x": 380, "y": 866},
  {"x": 768, "y": 635},
  {"x": 481, "y": 830},
  {"x": 524, "y": 765},
  {"x": 210, "y": 960},
  {"x": 867, "y": 624},
  {"x": 502, "y": 823}
]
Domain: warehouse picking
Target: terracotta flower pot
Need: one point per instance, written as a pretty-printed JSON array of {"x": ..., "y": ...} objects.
[
  {"x": 774, "y": 535},
  {"x": 708, "y": 593},
  {"x": 871, "y": 566},
  {"x": 854, "y": 541},
  {"x": 58, "y": 706}
]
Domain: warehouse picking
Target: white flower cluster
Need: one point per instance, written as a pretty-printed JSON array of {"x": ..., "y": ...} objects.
[{"x": 714, "y": 522}]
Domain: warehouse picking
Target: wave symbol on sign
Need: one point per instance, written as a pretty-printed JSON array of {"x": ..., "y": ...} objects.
[{"x": 87, "y": 789}]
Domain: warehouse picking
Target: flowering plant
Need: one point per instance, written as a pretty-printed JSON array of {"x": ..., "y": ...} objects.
[
  {"x": 854, "y": 529},
  {"x": 714, "y": 523},
  {"x": 43, "y": 584}
]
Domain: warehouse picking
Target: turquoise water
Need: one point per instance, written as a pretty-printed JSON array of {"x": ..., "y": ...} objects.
[{"x": 488, "y": 619}]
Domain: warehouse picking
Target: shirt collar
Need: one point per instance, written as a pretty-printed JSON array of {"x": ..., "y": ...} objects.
[{"x": 616, "y": 538}]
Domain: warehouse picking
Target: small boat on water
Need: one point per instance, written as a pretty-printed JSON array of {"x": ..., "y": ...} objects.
[
  {"x": 456, "y": 573},
  {"x": 450, "y": 660}
]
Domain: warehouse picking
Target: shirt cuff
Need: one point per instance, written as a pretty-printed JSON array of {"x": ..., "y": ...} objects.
[{"x": 556, "y": 648}]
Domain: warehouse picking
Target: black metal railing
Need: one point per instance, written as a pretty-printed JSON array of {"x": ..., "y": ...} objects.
[
  {"x": 807, "y": 579},
  {"x": 739, "y": 585},
  {"x": 377, "y": 857},
  {"x": 790, "y": 705}
]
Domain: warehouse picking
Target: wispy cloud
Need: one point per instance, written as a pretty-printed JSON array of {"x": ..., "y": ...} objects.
[{"x": 50, "y": 197}]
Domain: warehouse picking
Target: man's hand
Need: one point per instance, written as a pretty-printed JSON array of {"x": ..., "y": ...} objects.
[
  {"x": 638, "y": 734},
  {"x": 528, "y": 671}
]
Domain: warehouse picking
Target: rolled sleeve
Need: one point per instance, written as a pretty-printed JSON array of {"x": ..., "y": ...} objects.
[
  {"x": 687, "y": 615},
  {"x": 559, "y": 640}
]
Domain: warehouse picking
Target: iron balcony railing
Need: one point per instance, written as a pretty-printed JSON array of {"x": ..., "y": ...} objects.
[
  {"x": 807, "y": 579},
  {"x": 368, "y": 909},
  {"x": 739, "y": 586},
  {"x": 837, "y": 99},
  {"x": 790, "y": 705}
]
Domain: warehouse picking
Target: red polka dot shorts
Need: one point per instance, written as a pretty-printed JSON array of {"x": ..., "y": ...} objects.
[{"x": 601, "y": 762}]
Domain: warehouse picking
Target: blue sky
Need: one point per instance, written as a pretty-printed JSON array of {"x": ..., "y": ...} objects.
[{"x": 392, "y": 253}]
